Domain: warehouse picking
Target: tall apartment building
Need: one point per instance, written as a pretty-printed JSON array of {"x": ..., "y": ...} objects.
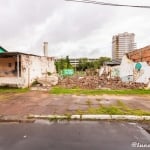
[{"x": 121, "y": 44}]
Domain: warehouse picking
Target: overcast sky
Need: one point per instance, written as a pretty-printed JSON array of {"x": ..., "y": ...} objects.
[{"x": 70, "y": 28}]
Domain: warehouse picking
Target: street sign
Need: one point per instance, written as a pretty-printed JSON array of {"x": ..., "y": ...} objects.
[{"x": 67, "y": 72}]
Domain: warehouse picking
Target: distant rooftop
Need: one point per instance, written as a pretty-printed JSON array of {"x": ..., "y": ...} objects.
[
  {"x": 9, "y": 54},
  {"x": 2, "y": 50},
  {"x": 113, "y": 62}
]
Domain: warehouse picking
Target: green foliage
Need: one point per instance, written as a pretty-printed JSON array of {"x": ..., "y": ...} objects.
[
  {"x": 119, "y": 109},
  {"x": 49, "y": 73},
  {"x": 89, "y": 103},
  {"x": 114, "y": 110},
  {"x": 84, "y": 63},
  {"x": 68, "y": 115},
  {"x": 60, "y": 90},
  {"x": 13, "y": 90},
  {"x": 102, "y": 60},
  {"x": 63, "y": 63},
  {"x": 35, "y": 82},
  {"x": 68, "y": 65}
]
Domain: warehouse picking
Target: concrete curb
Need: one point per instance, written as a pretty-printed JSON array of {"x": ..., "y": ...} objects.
[
  {"x": 91, "y": 117},
  {"x": 33, "y": 118},
  {"x": 15, "y": 119}
]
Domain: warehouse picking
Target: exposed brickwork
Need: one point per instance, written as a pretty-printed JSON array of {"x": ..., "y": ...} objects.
[{"x": 142, "y": 54}]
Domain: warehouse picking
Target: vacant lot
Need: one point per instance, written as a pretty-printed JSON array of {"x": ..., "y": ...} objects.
[{"x": 35, "y": 102}]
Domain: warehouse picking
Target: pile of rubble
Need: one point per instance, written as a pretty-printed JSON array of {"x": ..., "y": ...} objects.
[
  {"x": 96, "y": 82},
  {"x": 45, "y": 83}
]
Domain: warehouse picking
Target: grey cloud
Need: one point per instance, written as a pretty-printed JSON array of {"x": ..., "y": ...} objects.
[
  {"x": 77, "y": 24},
  {"x": 25, "y": 24},
  {"x": 18, "y": 16},
  {"x": 94, "y": 52}
]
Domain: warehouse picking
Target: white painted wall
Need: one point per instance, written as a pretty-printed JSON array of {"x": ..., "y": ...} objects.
[
  {"x": 33, "y": 67},
  {"x": 12, "y": 81}
]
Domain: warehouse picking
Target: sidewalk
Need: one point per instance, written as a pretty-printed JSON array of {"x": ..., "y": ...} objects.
[{"x": 42, "y": 103}]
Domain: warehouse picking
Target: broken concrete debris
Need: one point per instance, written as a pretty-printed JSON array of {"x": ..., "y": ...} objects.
[
  {"x": 48, "y": 81},
  {"x": 45, "y": 83},
  {"x": 96, "y": 82}
]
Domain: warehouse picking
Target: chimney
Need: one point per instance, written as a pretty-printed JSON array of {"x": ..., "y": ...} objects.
[{"x": 45, "y": 47}]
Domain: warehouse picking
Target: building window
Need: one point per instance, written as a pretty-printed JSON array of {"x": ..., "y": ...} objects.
[{"x": 9, "y": 64}]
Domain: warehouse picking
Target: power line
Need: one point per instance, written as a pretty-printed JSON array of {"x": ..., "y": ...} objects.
[{"x": 108, "y": 4}]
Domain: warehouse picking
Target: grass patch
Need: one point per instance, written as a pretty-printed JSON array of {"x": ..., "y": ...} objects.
[
  {"x": 13, "y": 90},
  {"x": 60, "y": 90},
  {"x": 119, "y": 109},
  {"x": 68, "y": 115},
  {"x": 80, "y": 112},
  {"x": 89, "y": 103}
]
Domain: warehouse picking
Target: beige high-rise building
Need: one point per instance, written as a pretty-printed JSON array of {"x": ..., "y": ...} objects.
[{"x": 121, "y": 44}]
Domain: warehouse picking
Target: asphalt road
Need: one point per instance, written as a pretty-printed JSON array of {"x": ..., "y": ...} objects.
[{"x": 95, "y": 135}]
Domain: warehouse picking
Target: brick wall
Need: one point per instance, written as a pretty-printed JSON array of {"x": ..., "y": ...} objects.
[{"x": 140, "y": 55}]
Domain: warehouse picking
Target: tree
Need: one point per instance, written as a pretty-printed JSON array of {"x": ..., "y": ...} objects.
[
  {"x": 63, "y": 63},
  {"x": 85, "y": 64},
  {"x": 69, "y": 66},
  {"x": 102, "y": 60}
]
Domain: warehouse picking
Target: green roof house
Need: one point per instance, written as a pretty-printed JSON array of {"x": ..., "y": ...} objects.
[{"x": 2, "y": 50}]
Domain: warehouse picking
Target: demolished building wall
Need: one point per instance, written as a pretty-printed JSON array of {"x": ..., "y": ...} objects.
[
  {"x": 34, "y": 67},
  {"x": 7, "y": 67},
  {"x": 128, "y": 71},
  {"x": 140, "y": 55},
  {"x": 28, "y": 68}
]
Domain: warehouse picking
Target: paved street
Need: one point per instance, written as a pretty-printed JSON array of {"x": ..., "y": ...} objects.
[{"x": 44, "y": 135}]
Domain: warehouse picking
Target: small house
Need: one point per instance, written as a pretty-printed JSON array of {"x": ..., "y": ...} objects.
[{"x": 21, "y": 69}]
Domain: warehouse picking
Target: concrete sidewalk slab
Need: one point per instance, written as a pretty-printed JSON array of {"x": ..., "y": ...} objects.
[{"x": 37, "y": 102}]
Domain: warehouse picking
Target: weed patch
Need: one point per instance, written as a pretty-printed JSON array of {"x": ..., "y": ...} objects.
[
  {"x": 59, "y": 90},
  {"x": 119, "y": 109},
  {"x": 14, "y": 90}
]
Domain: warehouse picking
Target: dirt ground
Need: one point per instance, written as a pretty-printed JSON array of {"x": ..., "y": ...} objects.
[{"x": 42, "y": 103}]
